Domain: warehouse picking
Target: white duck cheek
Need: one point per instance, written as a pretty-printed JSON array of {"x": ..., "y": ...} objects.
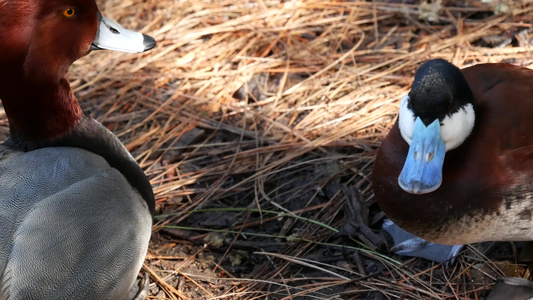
[
  {"x": 457, "y": 127},
  {"x": 406, "y": 120}
]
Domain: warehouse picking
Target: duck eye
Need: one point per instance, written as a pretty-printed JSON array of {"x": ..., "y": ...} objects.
[{"x": 69, "y": 12}]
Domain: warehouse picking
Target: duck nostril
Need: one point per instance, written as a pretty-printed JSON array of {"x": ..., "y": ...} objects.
[
  {"x": 429, "y": 156},
  {"x": 416, "y": 156},
  {"x": 111, "y": 28},
  {"x": 114, "y": 30}
]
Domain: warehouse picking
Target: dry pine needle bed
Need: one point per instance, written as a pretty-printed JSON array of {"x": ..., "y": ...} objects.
[{"x": 257, "y": 123}]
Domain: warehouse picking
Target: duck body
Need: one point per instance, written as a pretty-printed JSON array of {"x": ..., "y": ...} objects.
[
  {"x": 75, "y": 207},
  {"x": 485, "y": 193},
  {"x": 87, "y": 228}
]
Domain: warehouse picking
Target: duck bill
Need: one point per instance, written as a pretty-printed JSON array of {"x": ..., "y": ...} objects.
[
  {"x": 112, "y": 36},
  {"x": 422, "y": 171}
]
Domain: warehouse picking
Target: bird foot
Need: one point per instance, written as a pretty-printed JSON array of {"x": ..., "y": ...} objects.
[{"x": 407, "y": 244}]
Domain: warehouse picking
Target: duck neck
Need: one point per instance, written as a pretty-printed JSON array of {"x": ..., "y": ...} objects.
[
  {"x": 39, "y": 109},
  {"x": 34, "y": 88}
]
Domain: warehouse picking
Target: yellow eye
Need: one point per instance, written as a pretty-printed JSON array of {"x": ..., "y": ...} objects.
[{"x": 69, "y": 12}]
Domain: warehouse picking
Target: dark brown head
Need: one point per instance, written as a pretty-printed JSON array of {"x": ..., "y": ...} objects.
[
  {"x": 39, "y": 40},
  {"x": 50, "y": 34}
]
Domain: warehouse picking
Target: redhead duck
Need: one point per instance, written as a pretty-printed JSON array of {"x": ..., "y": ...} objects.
[
  {"x": 457, "y": 165},
  {"x": 75, "y": 207}
]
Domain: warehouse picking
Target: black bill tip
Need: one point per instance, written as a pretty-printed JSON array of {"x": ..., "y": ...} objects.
[{"x": 148, "y": 42}]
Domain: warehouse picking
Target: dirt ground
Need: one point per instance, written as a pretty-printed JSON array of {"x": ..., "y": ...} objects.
[{"x": 257, "y": 123}]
